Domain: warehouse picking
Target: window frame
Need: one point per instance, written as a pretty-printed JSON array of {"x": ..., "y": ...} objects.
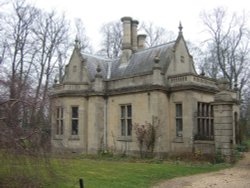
[
  {"x": 204, "y": 121},
  {"x": 74, "y": 119},
  {"x": 126, "y": 114},
  {"x": 59, "y": 120},
  {"x": 179, "y": 119}
]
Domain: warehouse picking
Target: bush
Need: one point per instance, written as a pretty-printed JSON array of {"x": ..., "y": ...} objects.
[
  {"x": 242, "y": 147},
  {"x": 219, "y": 158}
]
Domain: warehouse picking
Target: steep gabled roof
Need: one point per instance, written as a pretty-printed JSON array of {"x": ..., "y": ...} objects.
[
  {"x": 143, "y": 61},
  {"x": 92, "y": 62},
  {"x": 140, "y": 62}
]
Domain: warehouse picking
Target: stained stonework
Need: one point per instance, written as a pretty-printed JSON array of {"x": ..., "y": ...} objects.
[
  {"x": 103, "y": 98},
  {"x": 225, "y": 106}
]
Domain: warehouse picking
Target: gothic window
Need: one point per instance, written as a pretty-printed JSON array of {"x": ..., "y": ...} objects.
[
  {"x": 205, "y": 121},
  {"x": 179, "y": 121},
  {"x": 126, "y": 120},
  {"x": 59, "y": 121},
  {"x": 74, "y": 120}
]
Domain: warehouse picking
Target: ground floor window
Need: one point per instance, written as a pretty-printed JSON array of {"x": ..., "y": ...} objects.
[
  {"x": 205, "y": 121},
  {"x": 126, "y": 120},
  {"x": 74, "y": 120},
  {"x": 178, "y": 118},
  {"x": 59, "y": 121}
]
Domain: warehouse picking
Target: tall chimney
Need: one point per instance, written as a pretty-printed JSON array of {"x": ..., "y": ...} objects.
[
  {"x": 127, "y": 40},
  {"x": 134, "y": 35},
  {"x": 141, "y": 41}
]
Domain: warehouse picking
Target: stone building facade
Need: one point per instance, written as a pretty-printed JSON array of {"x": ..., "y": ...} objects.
[{"x": 99, "y": 100}]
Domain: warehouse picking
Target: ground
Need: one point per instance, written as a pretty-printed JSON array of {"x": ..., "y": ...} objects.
[{"x": 235, "y": 177}]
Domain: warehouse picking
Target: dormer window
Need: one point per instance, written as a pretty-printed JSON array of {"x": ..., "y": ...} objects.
[{"x": 182, "y": 59}]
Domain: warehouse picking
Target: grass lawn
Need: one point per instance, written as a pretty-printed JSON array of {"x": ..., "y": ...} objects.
[{"x": 97, "y": 173}]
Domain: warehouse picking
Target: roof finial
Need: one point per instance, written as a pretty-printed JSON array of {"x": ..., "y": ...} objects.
[
  {"x": 98, "y": 71},
  {"x": 77, "y": 42},
  {"x": 180, "y": 28},
  {"x": 98, "y": 68}
]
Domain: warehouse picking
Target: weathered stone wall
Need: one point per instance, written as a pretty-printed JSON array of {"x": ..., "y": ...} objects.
[
  {"x": 189, "y": 100},
  {"x": 146, "y": 106},
  {"x": 95, "y": 124},
  {"x": 225, "y": 106},
  {"x": 68, "y": 141}
]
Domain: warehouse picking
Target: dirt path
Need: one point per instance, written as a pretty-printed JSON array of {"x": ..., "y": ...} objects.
[{"x": 236, "y": 177}]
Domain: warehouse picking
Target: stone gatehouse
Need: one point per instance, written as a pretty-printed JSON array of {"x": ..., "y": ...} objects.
[{"x": 99, "y": 100}]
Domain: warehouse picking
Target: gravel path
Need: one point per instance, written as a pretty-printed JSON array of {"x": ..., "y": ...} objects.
[{"x": 236, "y": 177}]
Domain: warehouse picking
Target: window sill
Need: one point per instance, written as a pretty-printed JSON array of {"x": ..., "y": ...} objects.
[
  {"x": 74, "y": 137},
  {"x": 125, "y": 138},
  {"x": 58, "y": 137},
  {"x": 178, "y": 139},
  {"x": 204, "y": 142}
]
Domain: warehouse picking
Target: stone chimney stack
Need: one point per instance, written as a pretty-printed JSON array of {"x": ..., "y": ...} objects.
[
  {"x": 134, "y": 35},
  {"x": 141, "y": 41},
  {"x": 127, "y": 39},
  {"x": 126, "y": 42}
]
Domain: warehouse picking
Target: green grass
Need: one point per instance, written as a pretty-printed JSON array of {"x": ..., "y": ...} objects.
[{"x": 65, "y": 173}]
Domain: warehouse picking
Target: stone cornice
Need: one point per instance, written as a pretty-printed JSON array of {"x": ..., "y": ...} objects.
[{"x": 133, "y": 89}]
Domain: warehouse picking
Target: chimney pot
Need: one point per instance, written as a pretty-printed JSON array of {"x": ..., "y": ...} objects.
[
  {"x": 134, "y": 35},
  {"x": 141, "y": 41},
  {"x": 126, "y": 42}
]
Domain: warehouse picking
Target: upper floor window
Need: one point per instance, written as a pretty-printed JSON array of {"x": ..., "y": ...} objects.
[
  {"x": 126, "y": 120},
  {"x": 205, "y": 121},
  {"x": 178, "y": 118},
  {"x": 74, "y": 120},
  {"x": 59, "y": 121}
]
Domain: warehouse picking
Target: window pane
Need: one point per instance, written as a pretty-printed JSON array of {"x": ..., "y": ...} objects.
[
  {"x": 198, "y": 109},
  {"x": 212, "y": 111},
  {"x": 122, "y": 111},
  {"x": 57, "y": 113},
  {"x": 74, "y": 127},
  {"x": 74, "y": 112},
  {"x": 123, "y": 127},
  {"x": 212, "y": 127},
  {"x": 178, "y": 110},
  {"x": 129, "y": 110},
  {"x": 178, "y": 127},
  {"x": 61, "y": 112},
  {"x": 61, "y": 126},
  {"x": 129, "y": 124},
  {"x": 57, "y": 126}
]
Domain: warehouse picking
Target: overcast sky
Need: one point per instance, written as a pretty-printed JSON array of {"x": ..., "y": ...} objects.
[{"x": 164, "y": 13}]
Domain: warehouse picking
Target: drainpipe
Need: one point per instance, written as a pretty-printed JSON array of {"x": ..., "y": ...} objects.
[{"x": 105, "y": 123}]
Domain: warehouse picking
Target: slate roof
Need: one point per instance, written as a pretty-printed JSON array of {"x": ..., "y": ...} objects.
[
  {"x": 93, "y": 61},
  {"x": 140, "y": 62},
  {"x": 143, "y": 61}
]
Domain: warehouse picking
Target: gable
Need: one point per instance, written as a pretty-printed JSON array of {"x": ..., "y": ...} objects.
[
  {"x": 182, "y": 61},
  {"x": 75, "y": 70}
]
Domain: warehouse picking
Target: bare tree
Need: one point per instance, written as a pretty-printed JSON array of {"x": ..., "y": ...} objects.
[
  {"x": 112, "y": 39},
  {"x": 51, "y": 33},
  {"x": 33, "y": 44},
  {"x": 156, "y": 35},
  {"x": 227, "y": 46},
  {"x": 17, "y": 52},
  {"x": 82, "y": 37}
]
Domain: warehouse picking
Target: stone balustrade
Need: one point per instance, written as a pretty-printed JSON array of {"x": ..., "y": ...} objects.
[{"x": 190, "y": 78}]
